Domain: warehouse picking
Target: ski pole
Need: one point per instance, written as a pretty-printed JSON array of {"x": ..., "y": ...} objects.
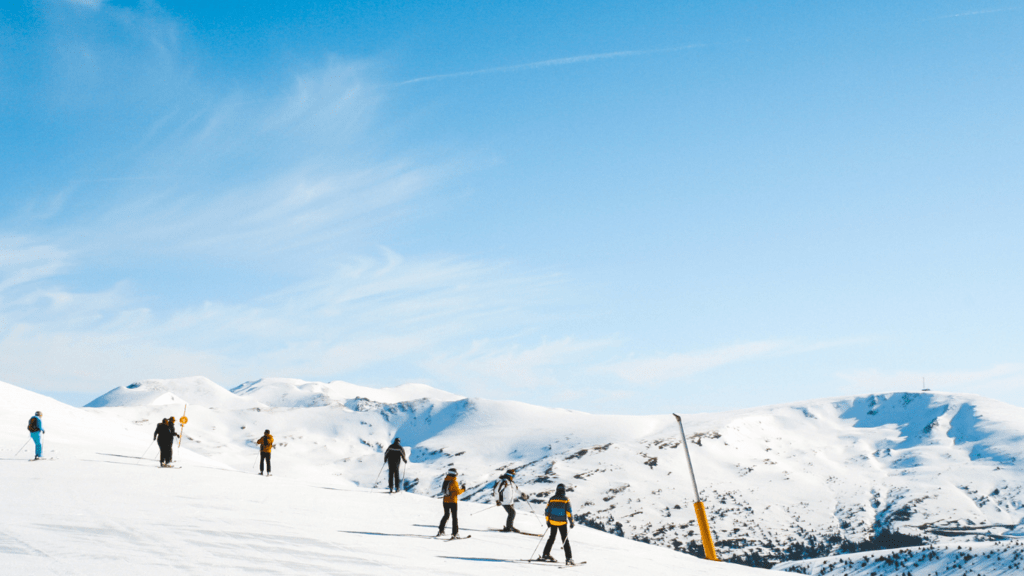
[
  {"x": 534, "y": 512},
  {"x": 22, "y": 447},
  {"x": 566, "y": 539},
  {"x": 377, "y": 481},
  {"x": 479, "y": 511},
  {"x": 542, "y": 534},
  {"x": 256, "y": 460},
  {"x": 147, "y": 449}
]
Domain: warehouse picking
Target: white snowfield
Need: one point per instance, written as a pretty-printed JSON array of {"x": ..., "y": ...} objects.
[
  {"x": 100, "y": 508},
  {"x": 787, "y": 482}
]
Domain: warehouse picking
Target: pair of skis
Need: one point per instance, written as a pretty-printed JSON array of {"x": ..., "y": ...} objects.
[{"x": 553, "y": 563}]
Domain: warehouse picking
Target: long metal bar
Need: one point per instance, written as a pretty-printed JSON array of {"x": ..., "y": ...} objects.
[
  {"x": 698, "y": 505},
  {"x": 686, "y": 448}
]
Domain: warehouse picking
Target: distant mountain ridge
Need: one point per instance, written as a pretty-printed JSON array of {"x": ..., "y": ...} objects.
[{"x": 784, "y": 482}]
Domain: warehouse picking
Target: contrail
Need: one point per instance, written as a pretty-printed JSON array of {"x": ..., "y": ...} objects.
[
  {"x": 975, "y": 13},
  {"x": 554, "y": 62}
]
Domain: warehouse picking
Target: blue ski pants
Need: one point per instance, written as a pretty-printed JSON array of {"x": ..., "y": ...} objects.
[{"x": 37, "y": 438}]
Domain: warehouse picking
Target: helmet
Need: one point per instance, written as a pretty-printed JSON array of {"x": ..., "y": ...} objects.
[
  {"x": 266, "y": 431},
  {"x": 38, "y": 413},
  {"x": 452, "y": 471}
]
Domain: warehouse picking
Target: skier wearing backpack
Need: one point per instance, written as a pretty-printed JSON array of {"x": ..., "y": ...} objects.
[
  {"x": 450, "y": 489},
  {"x": 505, "y": 492},
  {"x": 558, "y": 513},
  {"x": 35, "y": 430},
  {"x": 394, "y": 456},
  {"x": 164, "y": 436},
  {"x": 265, "y": 444}
]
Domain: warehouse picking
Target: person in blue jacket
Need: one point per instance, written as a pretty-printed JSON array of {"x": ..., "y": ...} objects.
[{"x": 35, "y": 429}]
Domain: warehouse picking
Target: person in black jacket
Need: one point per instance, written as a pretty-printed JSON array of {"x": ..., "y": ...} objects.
[
  {"x": 164, "y": 436},
  {"x": 394, "y": 456}
]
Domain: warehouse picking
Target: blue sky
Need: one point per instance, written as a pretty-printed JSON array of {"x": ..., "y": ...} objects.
[{"x": 608, "y": 206}]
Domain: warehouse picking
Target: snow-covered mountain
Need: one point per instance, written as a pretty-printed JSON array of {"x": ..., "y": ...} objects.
[
  {"x": 101, "y": 506},
  {"x": 781, "y": 483}
]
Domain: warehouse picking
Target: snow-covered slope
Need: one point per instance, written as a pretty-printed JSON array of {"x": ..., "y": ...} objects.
[{"x": 101, "y": 509}]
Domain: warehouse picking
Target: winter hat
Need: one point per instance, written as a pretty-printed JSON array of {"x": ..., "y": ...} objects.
[
  {"x": 266, "y": 431},
  {"x": 560, "y": 490},
  {"x": 397, "y": 440},
  {"x": 511, "y": 472},
  {"x": 452, "y": 471},
  {"x": 38, "y": 413}
]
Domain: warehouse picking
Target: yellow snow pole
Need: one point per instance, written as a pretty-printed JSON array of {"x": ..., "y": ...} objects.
[
  {"x": 698, "y": 506},
  {"x": 184, "y": 420}
]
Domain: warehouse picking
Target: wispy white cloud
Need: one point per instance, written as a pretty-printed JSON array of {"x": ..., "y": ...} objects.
[
  {"x": 684, "y": 365},
  {"x": 679, "y": 366},
  {"x": 552, "y": 62},
  {"x": 1003, "y": 380},
  {"x": 497, "y": 365},
  {"x": 22, "y": 261},
  {"x": 89, "y": 3},
  {"x": 976, "y": 13}
]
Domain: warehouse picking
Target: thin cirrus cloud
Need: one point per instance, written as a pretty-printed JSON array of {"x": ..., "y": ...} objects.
[
  {"x": 975, "y": 13},
  {"x": 998, "y": 380},
  {"x": 552, "y": 62},
  {"x": 659, "y": 369}
]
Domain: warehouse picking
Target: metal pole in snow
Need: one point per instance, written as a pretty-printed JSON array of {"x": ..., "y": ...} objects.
[{"x": 698, "y": 506}]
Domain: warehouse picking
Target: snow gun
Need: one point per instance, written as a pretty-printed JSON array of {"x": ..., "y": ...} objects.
[{"x": 698, "y": 506}]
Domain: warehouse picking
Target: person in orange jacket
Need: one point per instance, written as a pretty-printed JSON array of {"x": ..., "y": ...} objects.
[
  {"x": 451, "y": 490},
  {"x": 265, "y": 443}
]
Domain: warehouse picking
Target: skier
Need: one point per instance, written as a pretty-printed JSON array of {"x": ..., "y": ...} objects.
[
  {"x": 504, "y": 493},
  {"x": 265, "y": 443},
  {"x": 35, "y": 429},
  {"x": 450, "y": 489},
  {"x": 558, "y": 512},
  {"x": 164, "y": 436},
  {"x": 394, "y": 456}
]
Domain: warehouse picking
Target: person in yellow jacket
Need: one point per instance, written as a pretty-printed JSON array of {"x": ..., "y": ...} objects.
[
  {"x": 265, "y": 443},
  {"x": 451, "y": 490}
]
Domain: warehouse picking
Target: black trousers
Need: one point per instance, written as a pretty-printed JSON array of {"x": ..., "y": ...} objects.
[
  {"x": 165, "y": 451},
  {"x": 265, "y": 456},
  {"x": 394, "y": 483},
  {"x": 450, "y": 509},
  {"x": 511, "y": 516},
  {"x": 564, "y": 531}
]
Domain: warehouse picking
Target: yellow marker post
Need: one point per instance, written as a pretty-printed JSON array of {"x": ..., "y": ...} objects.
[
  {"x": 698, "y": 506},
  {"x": 183, "y": 420}
]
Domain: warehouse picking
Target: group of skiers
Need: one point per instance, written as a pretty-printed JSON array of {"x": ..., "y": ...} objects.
[
  {"x": 164, "y": 436},
  {"x": 558, "y": 512}
]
